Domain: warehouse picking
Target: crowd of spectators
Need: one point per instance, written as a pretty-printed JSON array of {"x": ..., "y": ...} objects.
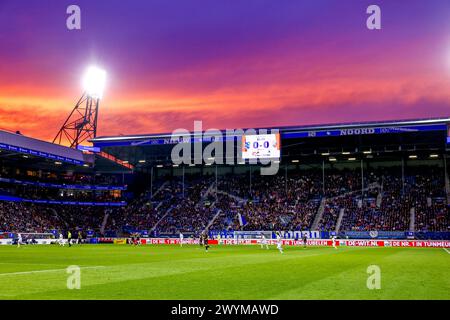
[
  {"x": 383, "y": 200},
  {"x": 56, "y": 177},
  {"x": 25, "y": 187},
  {"x": 28, "y": 217},
  {"x": 390, "y": 204}
]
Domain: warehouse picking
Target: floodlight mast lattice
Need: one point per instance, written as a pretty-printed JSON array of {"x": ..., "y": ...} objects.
[{"x": 81, "y": 124}]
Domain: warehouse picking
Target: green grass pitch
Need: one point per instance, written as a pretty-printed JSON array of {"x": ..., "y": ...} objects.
[{"x": 226, "y": 272}]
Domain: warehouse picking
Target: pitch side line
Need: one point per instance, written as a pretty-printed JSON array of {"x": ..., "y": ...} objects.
[
  {"x": 44, "y": 271},
  {"x": 446, "y": 250}
]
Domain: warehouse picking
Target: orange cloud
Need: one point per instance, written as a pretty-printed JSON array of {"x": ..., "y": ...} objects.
[{"x": 244, "y": 92}]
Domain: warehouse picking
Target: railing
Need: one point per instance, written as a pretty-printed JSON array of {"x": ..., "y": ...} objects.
[{"x": 62, "y": 186}]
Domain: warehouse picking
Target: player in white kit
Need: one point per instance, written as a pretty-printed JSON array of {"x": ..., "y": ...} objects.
[
  {"x": 19, "y": 240},
  {"x": 218, "y": 238},
  {"x": 333, "y": 239},
  {"x": 279, "y": 247},
  {"x": 264, "y": 242},
  {"x": 61, "y": 240},
  {"x": 181, "y": 239}
]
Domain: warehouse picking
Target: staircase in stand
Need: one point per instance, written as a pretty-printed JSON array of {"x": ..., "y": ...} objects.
[
  {"x": 319, "y": 214},
  {"x": 210, "y": 223},
  {"x": 238, "y": 199},
  {"x": 339, "y": 220},
  {"x": 412, "y": 219},
  {"x": 205, "y": 194},
  {"x": 105, "y": 221},
  {"x": 160, "y": 188},
  {"x": 161, "y": 219}
]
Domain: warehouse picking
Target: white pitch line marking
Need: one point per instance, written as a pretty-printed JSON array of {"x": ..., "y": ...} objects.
[
  {"x": 446, "y": 250},
  {"x": 34, "y": 264},
  {"x": 44, "y": 271}
]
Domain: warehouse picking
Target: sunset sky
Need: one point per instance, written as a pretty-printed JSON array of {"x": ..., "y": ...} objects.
[{"x": 229, "y": 63}]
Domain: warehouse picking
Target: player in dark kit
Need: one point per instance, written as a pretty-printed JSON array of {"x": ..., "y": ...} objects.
[
  {"x": 205, "y": 241},
  {"x": 305, "y": 239},
  {"x": 200, "y": 240},
  {"x": 138, "y": 239},
  {"x": 80, "y": 237},
  {"x": 134, "y": 239}
]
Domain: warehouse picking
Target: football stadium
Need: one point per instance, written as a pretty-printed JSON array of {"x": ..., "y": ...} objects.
[
  {"x": 327, "y": 180},
  {"x": 345, "y": 198}
]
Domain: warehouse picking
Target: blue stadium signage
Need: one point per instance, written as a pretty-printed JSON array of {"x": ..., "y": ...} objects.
[
  {"x": 88, "y": 148},
  {"x": 73, "y": 203},
  {"x": 39, "y": 154},
  {"x": 362, "y": 131},
  {"x": 165, "y": 141},
  {"x": 285, "y": 135},
  {"x": 62, "y": 186}
]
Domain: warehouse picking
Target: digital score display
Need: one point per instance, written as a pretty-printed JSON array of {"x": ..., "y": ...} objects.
[{"x": 261, "y": 146}]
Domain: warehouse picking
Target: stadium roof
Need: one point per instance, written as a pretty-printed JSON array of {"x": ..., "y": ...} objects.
[
  {"x": 422, "y": 123},
  {"x": 18, "y": 143},
  {"x": 296, "y": 141},
  {"x": 34, "y": 153}
]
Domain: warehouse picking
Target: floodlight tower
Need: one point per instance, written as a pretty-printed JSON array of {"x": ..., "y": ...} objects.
[{"x": 81, "y": 124}]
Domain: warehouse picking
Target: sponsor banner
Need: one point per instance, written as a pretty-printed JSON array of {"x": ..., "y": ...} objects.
[
  {"x": 363, "y": 131},
  {"x": 106, "y": 240},
  {"x": 362, "y": 243},
  {"x": 420, "y": 244},
  {"x": 40, "y": 154},
  {"x": 298, "y": 234},
  {"x": 395, "y": 243},
  {"x": 311, "y": 242},
  {"x": 319, "y": 242},
  {"x": 301, "y": 133},
  {"x": 163, "y": 141},
  {"x": 284, "y": 234},
  {"x": 431, "y": 235},
  {"x": 374, "y": 234},
  {"x": 240, "y": 241},
  {"x": 223, "y": 234},
  {"x": 168, "y": 241}
]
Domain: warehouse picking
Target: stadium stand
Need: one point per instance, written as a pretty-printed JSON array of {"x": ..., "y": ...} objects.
[{"x": 380, "y": 190}]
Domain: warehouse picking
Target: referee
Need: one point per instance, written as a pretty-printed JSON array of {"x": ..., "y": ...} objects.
[{"x": 69, "y": 238}]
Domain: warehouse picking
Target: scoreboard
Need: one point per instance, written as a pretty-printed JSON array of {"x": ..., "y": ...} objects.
[{"x": 261, "y": 146}]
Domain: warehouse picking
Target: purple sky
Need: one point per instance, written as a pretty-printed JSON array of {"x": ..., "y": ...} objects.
[{"x": 228, "y": 63}]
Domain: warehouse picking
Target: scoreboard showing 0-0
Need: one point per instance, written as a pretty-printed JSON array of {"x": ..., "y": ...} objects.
[{"x": 261, "y": 146}]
